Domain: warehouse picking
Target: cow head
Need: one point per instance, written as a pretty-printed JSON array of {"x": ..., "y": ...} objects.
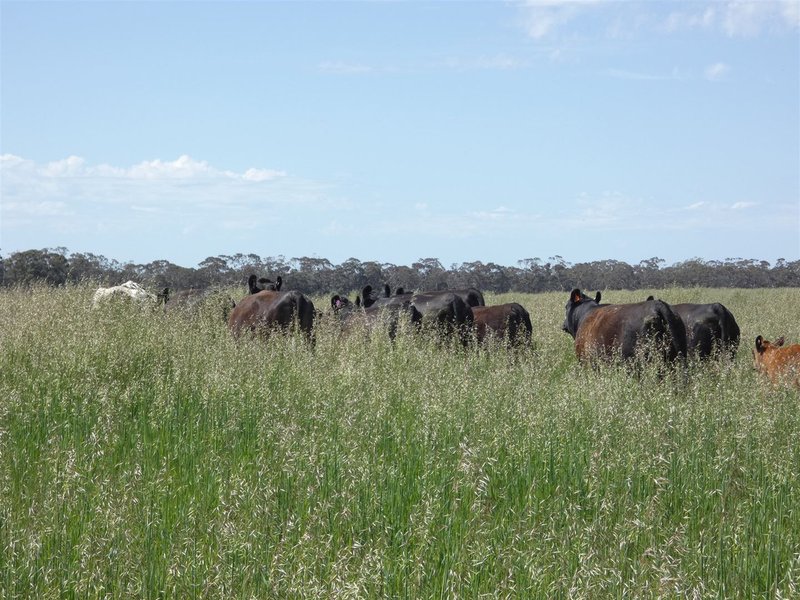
[
  {"x": 577, "y": 306},
  {"x": 368, "y": 298},
  {"x": 260, "y": 284},
  {"x": 338, "y": 302},
  {"x": 762, "y": 347}
]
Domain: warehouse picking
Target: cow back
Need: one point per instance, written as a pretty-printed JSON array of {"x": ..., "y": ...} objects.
[
  {"x": 506, "y": 321},
  {"x": 265, "y": 311},
  {"x": 445, "y": 311},
  {"x": 623, "y": 329},
  {"x": 710, "y": 329}
]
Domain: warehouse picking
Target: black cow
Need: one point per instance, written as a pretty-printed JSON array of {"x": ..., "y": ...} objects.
[
  {"x": 261, "y": 284},
  {"x": 264, "y": 312},
  {"x": 622, "y": 330},
  {"x": 504, "y": 321},
  {"x": 471, "y": 296},
  {"x": 352, "y": 315},
  {"x": 369, "y": 298},
  {"x": 445, "y": 312},
  {"x": 711, "y": 329}
]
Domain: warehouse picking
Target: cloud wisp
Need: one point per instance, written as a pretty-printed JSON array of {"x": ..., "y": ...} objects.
[
  {"x": 717, "y": 72},
  {"x": 183, "y": 168},
  {"x": 74, "y": 194},
  {"x": 734, "y": 18}
]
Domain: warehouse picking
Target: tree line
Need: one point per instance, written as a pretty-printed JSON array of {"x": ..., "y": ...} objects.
[{"x": 311, "y": 275}]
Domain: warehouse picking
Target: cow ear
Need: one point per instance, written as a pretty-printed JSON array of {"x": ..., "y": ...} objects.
[
  {"x": 575, "y": 296},
  {"x": 760, "y": 344},
  {"x": 399, "y": 291},
  {"x": 278, "y": 284},
  {"x": 387, "y": 291},
  {"x": 778, "y": 342},
  {"x": 358, "y": 301},
  {"x": 597, "y": 297},
  {"x": 334, "y": 300}
]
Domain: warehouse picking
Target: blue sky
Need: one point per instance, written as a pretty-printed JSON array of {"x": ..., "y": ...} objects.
[{"x": 393, "y": 131}]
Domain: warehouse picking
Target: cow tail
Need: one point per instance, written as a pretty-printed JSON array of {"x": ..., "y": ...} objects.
[
  {"x": 730, "y": 329},
  {"x": 304, "y": 313},
  {"x": 677, "y": 332},
  {"x": 525, "y": 319}
]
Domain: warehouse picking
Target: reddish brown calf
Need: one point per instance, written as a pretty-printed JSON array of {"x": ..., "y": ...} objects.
[{"x": 776, "y": 362}]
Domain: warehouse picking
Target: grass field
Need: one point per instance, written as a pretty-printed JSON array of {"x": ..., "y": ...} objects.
[{"x": 145, "y": 455}]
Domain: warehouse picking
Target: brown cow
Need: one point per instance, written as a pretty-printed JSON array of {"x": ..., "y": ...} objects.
[
  {"x": 776, "y": 362},
  {"x": 622, "y": 330},
  {"x": 263, "y": 312},
  {"x": 510, "y": 322}
]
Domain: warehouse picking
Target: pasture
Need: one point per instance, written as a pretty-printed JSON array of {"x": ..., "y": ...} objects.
[{"x": 149, "y": 455}]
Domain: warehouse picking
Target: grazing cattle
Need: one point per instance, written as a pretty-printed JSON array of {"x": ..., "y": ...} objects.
[
  {"x": 401, "y": 297},
  {"x": 471, "y": 296},
  {"x": 352, "y": 315},
  {"x": 510, "y": 322},
  {"x": 194, "y": 301},
  {"x": 342, "y": 303},
  {"x": 623, "y": 330},
  {"x": 263, "y": 312},
  {"x": 262, "y": 284},
  {"x": 781, "y": 364},
  {"x": 711, "y": 329},
  {"x": 445, "y": 312},
  {"x": 129, "y": 289}
]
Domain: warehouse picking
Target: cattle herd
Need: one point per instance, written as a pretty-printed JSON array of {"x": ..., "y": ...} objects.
[{"x": 649, "y": 330}]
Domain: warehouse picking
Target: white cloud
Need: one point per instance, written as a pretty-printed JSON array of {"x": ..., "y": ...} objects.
[
  {"x": 183, "y": 168},
  {"x": 717, "y": 72},
  {"x": 262, "y": 174},
  {"x": 76, "y": 195},
  {"x": 679, "y": 21},
  {"x": 791, "y": 13},
  {"x": 743, "y": 205},
  {"x": 748, "y": 18},
  {"x": 543, "y": 17},
  {"x": 67, "y": 167},
  {"x": 736, "y": 18}
]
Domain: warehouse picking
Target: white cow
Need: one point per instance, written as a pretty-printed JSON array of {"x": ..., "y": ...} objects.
[{"x": 129, "y": 289}]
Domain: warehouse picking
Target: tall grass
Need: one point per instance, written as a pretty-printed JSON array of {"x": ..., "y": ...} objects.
[{"x": 146, "y": 455}]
